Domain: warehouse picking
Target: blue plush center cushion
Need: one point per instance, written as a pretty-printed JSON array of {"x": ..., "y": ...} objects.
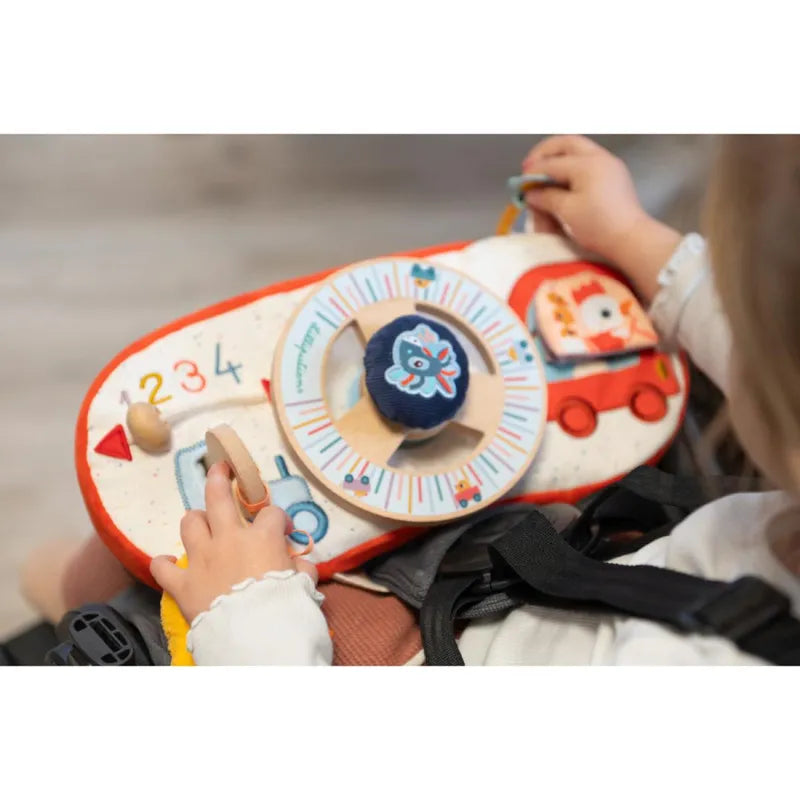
[{"x": 417, "y": 373}]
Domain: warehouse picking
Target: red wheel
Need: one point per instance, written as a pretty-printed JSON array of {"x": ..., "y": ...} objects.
[
  {"x": 576, "y": 417},
  {"x": 648, "y": 403}
]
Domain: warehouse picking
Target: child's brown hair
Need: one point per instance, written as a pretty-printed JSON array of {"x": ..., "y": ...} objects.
[{"x": 753, "y": 223}]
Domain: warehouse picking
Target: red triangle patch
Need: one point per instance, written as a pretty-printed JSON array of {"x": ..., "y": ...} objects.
[
  {"x": 265, "y": 384},
  {"x": 115, "y": 444}
]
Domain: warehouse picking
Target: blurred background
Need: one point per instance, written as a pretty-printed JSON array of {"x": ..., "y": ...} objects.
[{"x": 103, "y": 238}]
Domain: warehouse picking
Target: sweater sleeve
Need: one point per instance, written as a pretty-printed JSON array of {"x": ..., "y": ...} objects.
[
  {"x": 687, "y": 312},
  {"x": 276, "y": 620}
]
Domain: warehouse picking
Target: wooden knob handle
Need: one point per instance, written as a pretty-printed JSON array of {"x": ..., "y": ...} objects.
[{"x": 225, "y": 445}]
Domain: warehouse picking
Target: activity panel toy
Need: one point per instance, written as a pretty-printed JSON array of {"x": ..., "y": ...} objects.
[
  {"x": 417, "y": 320},
  {"x": 141, "y": 449}
]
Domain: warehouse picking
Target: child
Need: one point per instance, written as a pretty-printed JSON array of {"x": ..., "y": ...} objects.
[{"x": 249, "y": 603}]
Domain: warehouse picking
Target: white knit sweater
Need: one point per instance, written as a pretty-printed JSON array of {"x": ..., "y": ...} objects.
[{"x": 278, "y": 620}]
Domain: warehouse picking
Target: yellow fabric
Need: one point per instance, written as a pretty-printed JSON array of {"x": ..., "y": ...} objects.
[{"x": 176, "y": 627}]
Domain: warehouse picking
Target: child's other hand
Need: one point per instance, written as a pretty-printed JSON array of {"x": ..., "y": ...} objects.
[
  {"x": 599, "y": 205},
  {"x": 599, "y": 208},
  {"x": 223, "y": 550}
]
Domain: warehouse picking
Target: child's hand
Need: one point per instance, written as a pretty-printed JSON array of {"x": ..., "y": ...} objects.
[
  {"x": 599, "y": 204},
  {"x": 223, "y": 550},
  {"x": 599, "y": 208}
]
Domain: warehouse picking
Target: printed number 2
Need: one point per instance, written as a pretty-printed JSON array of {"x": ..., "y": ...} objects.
[
  {"x": 232, "y": 368},
  {"x": 154, "y": 400}
]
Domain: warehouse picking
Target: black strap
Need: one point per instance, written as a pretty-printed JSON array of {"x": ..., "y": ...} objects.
[
  {"x": 650, "y": 501},
  {"x": 749, "y": 612},
  {"x": 444, "y": 600},
  {"x": 686, "y": 492},
  {"x": 28, "y": 648}
]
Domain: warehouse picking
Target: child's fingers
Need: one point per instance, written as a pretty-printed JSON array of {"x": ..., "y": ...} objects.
[
  {"x": 221, "y": 505},
  {"x": 195, "y": 533},
  {"x": 559, "y": 146},
  {"x": 301, "y": 565},
  {"x": 167, "y": 574},
  {"x": 564, "y": 169},
  {"x": 544, "y": 223},
  {"x": 275, "y": 522},
  {"x": 552, "y": 201}
]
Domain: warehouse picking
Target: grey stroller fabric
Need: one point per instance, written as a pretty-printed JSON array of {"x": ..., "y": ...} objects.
[
  {"x": 410, "y": 571},
  {"x": 141, "y": 606}
]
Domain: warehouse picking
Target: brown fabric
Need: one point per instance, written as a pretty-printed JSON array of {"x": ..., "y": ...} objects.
[{"x": 369, "y": 629}]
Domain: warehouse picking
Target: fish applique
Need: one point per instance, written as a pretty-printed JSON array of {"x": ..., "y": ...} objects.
[{"x": 423, "y": 364}]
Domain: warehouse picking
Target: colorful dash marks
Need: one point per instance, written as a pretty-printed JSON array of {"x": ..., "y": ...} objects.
[{"x": 484, "y": 474}]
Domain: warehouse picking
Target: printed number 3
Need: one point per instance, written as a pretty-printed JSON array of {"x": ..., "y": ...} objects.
[
  {"x": 193, "y": 380},
  {"x": 193, "y": 372},
  {"x": 154, "y": 399}
]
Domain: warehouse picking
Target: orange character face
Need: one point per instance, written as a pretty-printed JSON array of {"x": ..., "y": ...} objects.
[
  {"x": 561, "y": 313},
  {"x": 462, "y": 485},
  {"x": 590, "y": 313}
]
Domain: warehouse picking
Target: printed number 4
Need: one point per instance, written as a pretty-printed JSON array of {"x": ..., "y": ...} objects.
[{"x": 232, "y": 368}]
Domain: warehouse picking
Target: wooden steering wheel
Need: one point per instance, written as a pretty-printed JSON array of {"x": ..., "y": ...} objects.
[{"x": 437, "y": 310}]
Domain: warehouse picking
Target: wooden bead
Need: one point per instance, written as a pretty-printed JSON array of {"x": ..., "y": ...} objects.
[{"x": 149, "y": 429}]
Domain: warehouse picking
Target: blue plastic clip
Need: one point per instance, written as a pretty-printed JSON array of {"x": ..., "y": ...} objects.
[{"x": 520, "y": 184}]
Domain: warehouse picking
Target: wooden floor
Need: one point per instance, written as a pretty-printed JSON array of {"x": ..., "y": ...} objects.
[{"x": 105, "y": 238}]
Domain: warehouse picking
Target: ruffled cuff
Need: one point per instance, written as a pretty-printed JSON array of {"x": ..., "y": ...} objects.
[
  {"x": 687, "y": 311},
  {"x": 272, "y": 620},
  {"x": 680, "y": 278}
]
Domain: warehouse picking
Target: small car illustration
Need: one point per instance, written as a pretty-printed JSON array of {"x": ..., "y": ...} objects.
[
  {"x": 519, "y": 351},
  {"x": 466, "y": 492},
  {"x": 423, "y": 276},
  {"x": 359, "y": 487}
]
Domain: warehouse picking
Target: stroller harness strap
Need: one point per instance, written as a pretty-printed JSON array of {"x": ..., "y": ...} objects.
[{"x": 551, "y": 572}]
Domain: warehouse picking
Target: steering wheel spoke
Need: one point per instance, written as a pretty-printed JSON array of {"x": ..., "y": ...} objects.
[
  {"x": 373, "y": 317},
  {"x": 368, "y": 433},
  {"x": 483, "y": 406}
]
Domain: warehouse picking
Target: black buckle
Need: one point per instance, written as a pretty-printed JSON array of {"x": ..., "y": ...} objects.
[
  {"x": 487, "y": 583},
  {"x": 470, "y": 555},
  {"x": 97, "y": 636},
  {"x": 6, "y": 659},
  {"x": 738, "y": 610}
]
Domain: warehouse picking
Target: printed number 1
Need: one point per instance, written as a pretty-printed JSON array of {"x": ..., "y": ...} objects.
[{"x": 232, "y": 368}]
